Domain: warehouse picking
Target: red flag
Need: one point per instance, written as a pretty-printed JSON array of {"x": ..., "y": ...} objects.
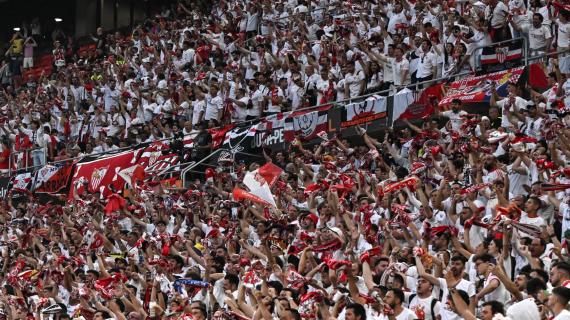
[
  {"x": 218, "y": 135},
  {"x": 424, "y": 104},
  {"x": 102, "y": 172},
  {"x": 98, "y": 242},
  {"x": 115, "y": 203},
  {"x": 270, "y": 173},
  {"x": 562, "y": 7},
  {"x": 240, "y": 194},
  {"x": 133, "y": 174},
  {"x": 537, "y": 77}
]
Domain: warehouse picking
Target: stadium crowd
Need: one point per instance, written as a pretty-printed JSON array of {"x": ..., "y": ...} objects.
[{"x": 461, "y": 217}]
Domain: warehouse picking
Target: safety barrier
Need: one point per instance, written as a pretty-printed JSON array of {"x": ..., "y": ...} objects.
[
  {"x": 25, "y": 163},
  {"x": 28, "y": 159}
]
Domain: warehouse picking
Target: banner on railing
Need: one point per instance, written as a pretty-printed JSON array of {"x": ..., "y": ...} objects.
[
  {"x": 503, "y": 56},
  {"x": 306, "y": 124},
  {"x": 52, "y": 178},
  {"x": 419, "y": 104},
  {"x": 271, "y": 132},
  {"x": 102, "y": 171},
  {"x": 477, "y": 89},
  {"x": 363, "y": 112}
]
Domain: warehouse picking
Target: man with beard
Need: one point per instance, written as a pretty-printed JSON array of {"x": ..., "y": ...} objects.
[
  {"x": 558, "y": 301},
  {"x": 454, "y": 279},
  {"x": 490, "y": 309},
  {"x": 423, "y": 302},
  {"x": 440, "y": 241},
  {"x": 355, "y": 311},
  {"x": 395, "y": 298},
  {"x": 308, "y": 222},
  {"x": 560, "y": 275},
  {"x": 539, "y": 35},
  {"x": 455, "y": 115},
  {"x": 489, "y": 171}
]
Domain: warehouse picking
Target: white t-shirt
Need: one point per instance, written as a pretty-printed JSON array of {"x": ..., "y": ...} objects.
[
  {"x": 564, "y": 209},
  {"x": 417, "y": 304},
  {"x": 464, "y": 285},
  {"x": 566, "y": 88},
  {"x": 256, "y": 100},
  {"x": 396, "y": 18},
  {"x": 538, "y": 221},
  {"x": 116, "y": 122},
  {"x": 398, "y": 69},
  {"x": 406, "y": 314},
  {"x": 455, "y": 118},
  {"x": 214, "y": 105},
  {"x": 274, "y": 107},
  {"x": 517, "y": 180},
  {"x": 426, "y": 65},
  {"x": 197, "y": 108},
  {"x": 564, "y": 315},
  {"x": 520, "y": 103},
  {"x": 538, "y": 37},
  {"x": 252, "y": 20},
  {"x": 498, "y": 16},
  {"x": 109, "y": 97},
  {"x": 499, "y": 294},
  {"x": 354, "y": 81},
  {"x": 240, "y": 113},
  {"x": 563, "y": 34}
]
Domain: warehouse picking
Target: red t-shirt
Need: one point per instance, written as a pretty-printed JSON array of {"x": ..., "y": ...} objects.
[{"x": 4, "y": 164}]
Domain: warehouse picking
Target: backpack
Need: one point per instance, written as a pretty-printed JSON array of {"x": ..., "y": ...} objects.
[{"x": 433, "y": 302}]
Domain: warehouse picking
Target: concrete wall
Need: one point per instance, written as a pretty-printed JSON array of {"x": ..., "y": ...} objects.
[
  {"x": 85, "y": 17},
  {"x": 86, "y": 14}
]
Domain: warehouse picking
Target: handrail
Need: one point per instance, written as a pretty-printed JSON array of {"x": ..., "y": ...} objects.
[
  {"x": 548, "y": 54},
  {"x": 196, "y": 163},
  {"x": 14, "y": 165},
  {"x": 334, "y": 103}
]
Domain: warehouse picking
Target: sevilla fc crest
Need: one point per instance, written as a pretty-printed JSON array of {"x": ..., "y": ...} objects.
[
  {"x": 307, "y": 123},
  {"x": 502, "y": 54},
  {"x": 97, "y": 177}
]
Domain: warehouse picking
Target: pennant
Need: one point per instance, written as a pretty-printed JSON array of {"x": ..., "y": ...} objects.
[{"x": 258, "y": 184}]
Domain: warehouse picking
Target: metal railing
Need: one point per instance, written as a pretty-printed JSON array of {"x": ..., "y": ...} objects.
[
  {"x": 27, "y": 159},
  {"x": 29, "y": 164}
]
